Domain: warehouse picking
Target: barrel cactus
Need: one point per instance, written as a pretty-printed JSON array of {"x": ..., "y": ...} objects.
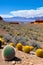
[
  {"x": 39, "y": 53},
  {"x": 31, "y": 48},
  {"x": 0, "y": 42},
  {"x": 19, "y": 46},
  {"x": 26, "y": 49},
  {"x": 3, "y": 41},
  {"x": 12, "y": 44},
  {"x": 8, "y": 52}
]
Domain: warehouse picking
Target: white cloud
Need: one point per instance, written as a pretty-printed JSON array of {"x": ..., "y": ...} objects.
[
  {"x": 6, "y": 16},
  {"x": 26, "y": 13}
]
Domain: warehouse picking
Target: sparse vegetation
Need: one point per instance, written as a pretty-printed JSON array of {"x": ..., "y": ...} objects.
[{"x": 27, "y": 38}]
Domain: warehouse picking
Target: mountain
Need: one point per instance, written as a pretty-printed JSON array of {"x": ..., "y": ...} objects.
[{"x": 22, "y": 19}]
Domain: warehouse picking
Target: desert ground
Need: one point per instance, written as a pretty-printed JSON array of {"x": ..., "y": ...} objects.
[
  {"x": 28, "y": 34},
  {"x": 22, "y": 58}
]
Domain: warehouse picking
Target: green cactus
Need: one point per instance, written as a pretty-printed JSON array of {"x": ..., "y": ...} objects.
[{"x": 8, "y": 52}]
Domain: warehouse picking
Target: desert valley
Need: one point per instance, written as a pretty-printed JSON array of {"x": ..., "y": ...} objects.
[{"x": 27, "y": 34}]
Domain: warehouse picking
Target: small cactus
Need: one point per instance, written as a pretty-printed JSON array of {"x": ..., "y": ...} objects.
[
  {"x": 0, "y": 42},
  {"x": 18, "y": 33},
  {"x": 31, "y": 48},
  {"x": 39, "y": 53},
  {"x": 26, "y": 49},
  {"x": 8, "y": 52},
  {"x": 19, "y": 46},
  {"x": 12, "y": 44}
]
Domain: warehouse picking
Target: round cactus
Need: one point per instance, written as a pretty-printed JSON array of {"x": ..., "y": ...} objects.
[
  {"x": 12, "y": 44},
  {"x": 19, "y": 46},
  {"x": 2, "y": 40},
  {"x": 26, "y": 49},
  {"x": 31, "y": 48},
  {"x": 0, "y": 44},
  {"x": 8, "y": 52},
  {"x": 39, "y": 53}
]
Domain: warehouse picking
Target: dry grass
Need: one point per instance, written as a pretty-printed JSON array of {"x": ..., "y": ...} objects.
[{"x": 23, "y": 33}]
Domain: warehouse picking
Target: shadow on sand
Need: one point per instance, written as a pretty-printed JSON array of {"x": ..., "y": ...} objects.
[
  {"x": 15, "y": 59},
  {"x": 1, "y": 47}
]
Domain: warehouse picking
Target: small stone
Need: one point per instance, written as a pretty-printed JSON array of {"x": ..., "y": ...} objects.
[
  {"x": 40, "y": 64},
  {"x": 31, "y": 63},
  {"x": 27, "y": 62},
  {"x": 13, "y": 62},
  {"x": 19, "y": 62},
  {"x": 26, "y": 57},
  {"x": 22, "y": 56}
]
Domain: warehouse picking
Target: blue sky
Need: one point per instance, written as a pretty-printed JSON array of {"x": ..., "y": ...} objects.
[{"x": 10, "y": 8}]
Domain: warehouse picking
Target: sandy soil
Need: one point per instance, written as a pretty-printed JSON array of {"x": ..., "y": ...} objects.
[
  {"x": 2, "y": 31},
  {"x": 22, "y": 58}
]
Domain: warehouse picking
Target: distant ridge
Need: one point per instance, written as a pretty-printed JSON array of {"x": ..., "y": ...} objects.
[
  {"x": 22, "y": 19},
  {"x": 36, "y": 20}
]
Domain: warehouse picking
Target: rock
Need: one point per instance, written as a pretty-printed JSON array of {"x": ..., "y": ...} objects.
[
  {"x": 31, "y": 63},
  {"x": 19, "y": 62},
  {"x": 13, "y": 62},
  {"x": 1, "y": 18}
]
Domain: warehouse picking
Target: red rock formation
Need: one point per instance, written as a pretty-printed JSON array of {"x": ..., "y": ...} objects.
[
  {"x": 32, "y": 22},
  {"x": 14, "y": 22},
  {"x": 39, "y": 21}
]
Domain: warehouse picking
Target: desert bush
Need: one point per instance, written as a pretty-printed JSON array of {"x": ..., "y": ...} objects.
[
  {"x": 34, "y": 44},
  {"x": 40, "y": 39},
  {"x": 4, "y": 26},
  {"x": 8, "y": 38},
  {"x": 18, "y": 33},
  {"x": 1, "y": 36},
  {"x": 17, "y": 39},
  {"x": 10, "y": 33},
  {"x": 35, "y": 37}
]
